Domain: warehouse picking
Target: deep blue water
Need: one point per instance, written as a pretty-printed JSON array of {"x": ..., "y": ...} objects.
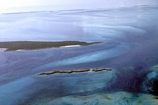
[{"x": 129, "y": 46}]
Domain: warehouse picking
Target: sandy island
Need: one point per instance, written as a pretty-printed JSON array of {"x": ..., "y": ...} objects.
[{"x": 31, "y": 45}]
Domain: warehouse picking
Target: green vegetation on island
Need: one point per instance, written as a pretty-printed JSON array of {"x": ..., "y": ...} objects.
[{"x": 31, "y": 45}]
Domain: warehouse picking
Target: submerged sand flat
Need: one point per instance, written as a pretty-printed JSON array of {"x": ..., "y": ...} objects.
[{"x": 118, "y": 98}]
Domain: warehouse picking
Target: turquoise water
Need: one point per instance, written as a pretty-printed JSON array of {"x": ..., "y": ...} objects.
[{"x": 129, "y": 47}]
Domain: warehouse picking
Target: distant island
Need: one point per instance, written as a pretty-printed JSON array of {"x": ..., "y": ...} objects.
[{"x": 31, "y": 45}]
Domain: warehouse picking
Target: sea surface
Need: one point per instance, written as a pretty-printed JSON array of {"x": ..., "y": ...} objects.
[{"x": 129, "y": 46}]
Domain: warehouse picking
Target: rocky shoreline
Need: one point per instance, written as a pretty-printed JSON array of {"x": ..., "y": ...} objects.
[{"x": 76, "y": 71}]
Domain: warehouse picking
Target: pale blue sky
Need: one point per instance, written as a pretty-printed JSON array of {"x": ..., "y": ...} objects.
[{"x": 72, "y": 4}]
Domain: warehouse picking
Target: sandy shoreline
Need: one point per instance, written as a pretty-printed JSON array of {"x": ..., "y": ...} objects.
[
  {"x": 3, "y": 49},
  {"x": 71, "y": 46}
]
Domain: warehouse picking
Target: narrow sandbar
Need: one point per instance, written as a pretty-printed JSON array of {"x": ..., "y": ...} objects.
[{"x": 76, "y": 71}]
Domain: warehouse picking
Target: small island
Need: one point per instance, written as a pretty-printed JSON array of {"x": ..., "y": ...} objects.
[
  {"x": 31, "y": 45},
  {"x": 76, "y": 71}
]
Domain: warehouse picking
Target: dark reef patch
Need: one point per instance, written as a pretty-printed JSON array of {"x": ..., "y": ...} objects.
[{"x": 155, "y": 87}]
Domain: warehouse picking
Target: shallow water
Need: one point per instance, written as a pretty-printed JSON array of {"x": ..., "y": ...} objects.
[{"x": 129, "y": 46}]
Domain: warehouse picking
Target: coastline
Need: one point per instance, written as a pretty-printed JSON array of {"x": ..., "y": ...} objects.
[
  {"x": 75, "y": 71},
  {"x": 32, "y": 45}
]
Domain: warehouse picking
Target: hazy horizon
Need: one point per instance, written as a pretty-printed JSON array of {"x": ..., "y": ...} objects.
[{"x": 11, "y": 6}]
